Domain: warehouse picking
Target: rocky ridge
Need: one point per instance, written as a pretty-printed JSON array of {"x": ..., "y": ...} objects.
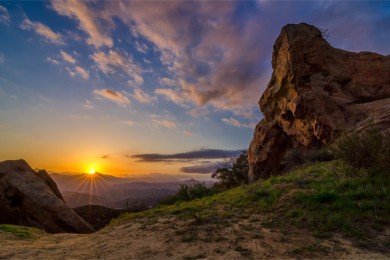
[
  {"x": 315, "y": 93},
  {"x": 32, "y": 198}
]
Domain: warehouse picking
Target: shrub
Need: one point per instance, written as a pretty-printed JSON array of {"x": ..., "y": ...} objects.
[
  {"x": 233, "y": 172},
  {"x": 188, "y": 193},
  {"x": 370, "y": 148},
  {"x": 296, "y": 157}
]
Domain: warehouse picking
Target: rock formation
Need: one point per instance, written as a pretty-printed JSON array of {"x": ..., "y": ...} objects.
[
  {"x": 316, "y": 92},
  {"x": 32, "y": 198}
]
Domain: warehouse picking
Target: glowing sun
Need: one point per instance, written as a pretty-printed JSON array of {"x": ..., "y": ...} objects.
[{"x": 92, "y": 171}]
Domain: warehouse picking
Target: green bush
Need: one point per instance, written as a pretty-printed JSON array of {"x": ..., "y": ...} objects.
[
  {"x": 233, "y": 172},
  {"x": 297, "y": 157},
  {"x": 367, "y": 149},
  {"x": 188, "y": 193}
]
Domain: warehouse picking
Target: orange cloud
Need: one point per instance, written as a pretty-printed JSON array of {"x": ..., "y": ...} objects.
[
  {"x": 87, "y": 21},
  {"x": 165, "y": 123},
  {"x": 43, "y": 30},
  {"x": 67, "y": 57},
  {"x": 112, "y": 61},
  {"x": 208, "y": 56},
  {"x": 142, "y": 96},
  {"x": 78, "y": 71},
  {"x": 112, "y": 95}
]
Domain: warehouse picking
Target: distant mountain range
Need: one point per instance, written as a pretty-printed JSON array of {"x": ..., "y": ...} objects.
[{"x": 115, "y": 192}]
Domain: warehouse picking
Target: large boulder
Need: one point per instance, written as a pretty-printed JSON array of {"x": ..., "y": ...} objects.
[
  {"x": 32, "y": 198},
  {"x": 316, "y": 92}
]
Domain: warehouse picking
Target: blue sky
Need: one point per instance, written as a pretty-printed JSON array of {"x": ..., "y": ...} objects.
[{"x": 92, "y": 83}]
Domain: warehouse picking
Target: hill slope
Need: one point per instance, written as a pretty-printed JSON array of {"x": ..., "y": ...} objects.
[{"x": 322, "y": 210}]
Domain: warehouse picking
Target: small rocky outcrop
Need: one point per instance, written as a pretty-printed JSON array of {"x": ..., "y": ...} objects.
[
  {"x": 316, "y": 92},
  {"x": 32, "y": 198}
]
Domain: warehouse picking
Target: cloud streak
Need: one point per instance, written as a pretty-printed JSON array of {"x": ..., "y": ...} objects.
[
  {"x": 82, "y": 72},
  {"x": 5, "y": 18},
  {"x": 86, "y": 18},
  {"x": 48, "y": 34},
  {"x": 192, "y": 155},
  {"x": 112, "y": 62},
  {"x": 67, "y": 57},
  {"x": 204, "y": 168},
  {"x": 142, "y": 96},
  {"x": 78, "y": 71},
  {"x": 164, "y": 123},
  {"x": 212, "y": 64},
  {"x": 234, "y": 122},
  {"x": 112, "y": 95}
]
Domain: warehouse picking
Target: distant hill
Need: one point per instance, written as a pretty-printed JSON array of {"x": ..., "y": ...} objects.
[{"x": 115, "y": 192}]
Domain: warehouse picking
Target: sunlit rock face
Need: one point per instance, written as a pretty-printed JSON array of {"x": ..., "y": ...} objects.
[
  {"x": 32, "y": 198},
  {"x": 315, "y": 93}
]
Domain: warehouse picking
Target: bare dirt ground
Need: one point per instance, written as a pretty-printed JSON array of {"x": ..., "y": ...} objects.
[{"x": 170, "y": 238}]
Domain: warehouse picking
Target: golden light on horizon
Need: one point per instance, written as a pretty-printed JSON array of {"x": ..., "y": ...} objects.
[{"x": 92, "y": 171}]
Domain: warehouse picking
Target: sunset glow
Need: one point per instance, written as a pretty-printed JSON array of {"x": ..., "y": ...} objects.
[
  {"x": 141, "y": 87},
  {"x": 92, "y": 171}
]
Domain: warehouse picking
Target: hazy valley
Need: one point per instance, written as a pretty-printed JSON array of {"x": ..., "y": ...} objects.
[{"x": 114, "y": 192}]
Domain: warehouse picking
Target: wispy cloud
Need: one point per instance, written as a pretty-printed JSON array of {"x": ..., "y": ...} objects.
[
  {"x": 205, "y": 168},
  {"x": 168, "y": 82},
  {"x": 2, "y": 59},
  {"x": 207, "y": 54},
  {"x": 52, "y": 60},
  {"x": 142, "y": 96},
  {"x": 192, "y": 155},
  {"x": 86, "y": 18},
  {"x": 234, "y": 122},
  {"x": 82, "y": 72},
  {"x": 5, "y": 18},
  {"x": 113, "y": 62},
  {"x": 172, "y": 95},
  {"x": 141, "y": 47},
  {"x": 48, "y": 34},
  {"x": 78, "y": 71},
  {"x": 165, "y": 123},
  {"x": 67, "y": 57},
  {"x": 112, "y": 95}
]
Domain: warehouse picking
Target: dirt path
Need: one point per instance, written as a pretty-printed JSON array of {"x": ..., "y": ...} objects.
[{"x": 169, "y": 238}]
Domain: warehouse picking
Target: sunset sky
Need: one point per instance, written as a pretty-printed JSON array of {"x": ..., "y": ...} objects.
[{"x": 137, "y": 87}]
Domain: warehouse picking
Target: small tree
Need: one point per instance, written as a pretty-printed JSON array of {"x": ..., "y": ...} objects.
[
  {"x": 233, "y": 172},
  {"x": 325, "y": 33}
]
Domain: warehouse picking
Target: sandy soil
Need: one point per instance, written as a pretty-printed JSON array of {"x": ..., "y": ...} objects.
[{"x": 170, "y": 238}]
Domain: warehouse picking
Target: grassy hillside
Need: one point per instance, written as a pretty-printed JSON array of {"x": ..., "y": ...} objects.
[
  {"x": 20, "y": 231},
  {"x": 320, "y": 210},
  {"x": 326, "y": 199}
]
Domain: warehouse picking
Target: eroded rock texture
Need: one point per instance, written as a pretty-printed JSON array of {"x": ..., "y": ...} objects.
[
  {"x": 32, "y": 198},
  {"x": 315, "y": 93}
]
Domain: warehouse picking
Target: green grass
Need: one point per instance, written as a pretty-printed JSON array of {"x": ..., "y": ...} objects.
[
  {"x": 20, "y": 231},
  {"x": 322, "y": 198}
]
